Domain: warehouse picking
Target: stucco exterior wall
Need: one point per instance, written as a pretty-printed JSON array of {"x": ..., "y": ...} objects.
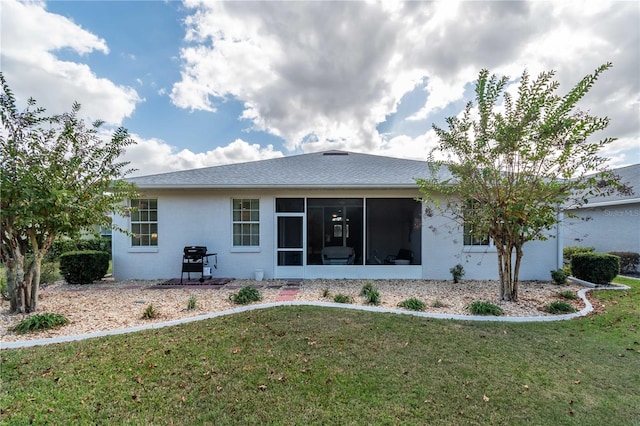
[
  {"x": 608, "y": 228},
  {"x": 203, "y": 217}
]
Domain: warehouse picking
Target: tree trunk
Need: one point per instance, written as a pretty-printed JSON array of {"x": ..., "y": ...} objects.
[
  {"x": 508, "y": 273},
  {"x": 16, "y": 283}
]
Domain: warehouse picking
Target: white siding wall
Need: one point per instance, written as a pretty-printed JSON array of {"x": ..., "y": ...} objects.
[
  {"x": 203, "y": 217},
  {"x": 611, "y": 228}
]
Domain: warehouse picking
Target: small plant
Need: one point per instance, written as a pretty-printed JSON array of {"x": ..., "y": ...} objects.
[
  {"x": 457, "y": 272},
  {"x": 192, "y": 303},
  {"x": 43, "y": 321},
  {"x": 4, "y": 290},
  {"x": 150, "y": 312},
  {"x": 245, "y": 296},
  {"x": 485, "y": 308},
  {"x": 342, "y": 298},
  {"x": 437, "y": 304},
  {"x": 568, "y": 294},
  {"x": 559, "y": 307},
  {"x": 559, "y": 276},
  {"x": 370, "y": 294},
  {"x": 325, "y": 292},
  {"x": 412, "y": 304}
]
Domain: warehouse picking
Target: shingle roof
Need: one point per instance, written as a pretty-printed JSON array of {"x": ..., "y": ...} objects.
[{"x": 330, "y": 169}]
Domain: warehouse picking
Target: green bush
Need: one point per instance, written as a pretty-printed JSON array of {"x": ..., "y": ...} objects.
[
  {"x": 629, "y": 260},
  {"x": 568, "y": 294},
  {"x": 43, "y": 321},
  {"x": 84, "y": 267},
  {"x": 457, "y": 272},
  {"x": 412, "y": 304},
  {"x": 485, "y": 308},
  {"x": 60, "y": 247},
  {"x": 370, "y": 294},
  {"x": 597, "y": 268},
  {"x": 342, "y": 298},
  {"x": 245, "y": 296},
  {"x": 192, "y": 303},
  {"x": 150, "y": 312},
  {"x": 49, "y": 273},
  {"x": 559, "y": 276},
  {"x": 568, "y": 252},
  {"x": 559, "y": 307}
]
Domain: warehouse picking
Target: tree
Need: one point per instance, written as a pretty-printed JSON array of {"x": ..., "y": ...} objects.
[
  {"x": 57, "y": 178},
  {"x": 512, "y": 166}
]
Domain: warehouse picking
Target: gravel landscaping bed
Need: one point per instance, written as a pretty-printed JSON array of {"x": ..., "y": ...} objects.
[{"x": 115, "y": 305}]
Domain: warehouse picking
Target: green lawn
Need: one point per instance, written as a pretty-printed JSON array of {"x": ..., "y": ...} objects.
[{"x": 308, "y": 365}]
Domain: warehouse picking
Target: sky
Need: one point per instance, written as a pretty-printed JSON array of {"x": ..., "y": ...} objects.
[{"x": 201, "y": 83}]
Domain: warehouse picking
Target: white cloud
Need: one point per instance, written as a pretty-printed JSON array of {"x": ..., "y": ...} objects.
[
  {"x": 151, "y": 156},
  {"x": 31, "y": 38}
]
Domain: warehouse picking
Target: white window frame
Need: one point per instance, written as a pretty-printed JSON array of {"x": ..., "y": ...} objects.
[
  {"x": 245, "y": 216},
  {"x": 153, "y": 236}
]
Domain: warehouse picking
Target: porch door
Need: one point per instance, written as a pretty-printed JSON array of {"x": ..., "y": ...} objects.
[{"x": 289, "y": 238}]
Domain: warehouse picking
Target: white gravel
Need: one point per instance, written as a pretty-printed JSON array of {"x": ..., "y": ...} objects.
[{"x": 116, "y": 305}]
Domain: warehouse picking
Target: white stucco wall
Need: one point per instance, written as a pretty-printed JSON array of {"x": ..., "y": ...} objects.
[
  {"x": 607, "y": 228},
  {"x": 203, "y": 217}
]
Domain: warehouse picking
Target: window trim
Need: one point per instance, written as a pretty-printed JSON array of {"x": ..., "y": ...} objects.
[
  {"x": 475, "y": 248},
  {"x": 150, "y": 247},
  {"x": 245, "y": 248}
]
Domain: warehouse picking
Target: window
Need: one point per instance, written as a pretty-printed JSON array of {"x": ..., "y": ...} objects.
[
  {"x": 246, "y": 222},
  {"x": 144, "y": 222},
  {"x": 471, "y": 236}
]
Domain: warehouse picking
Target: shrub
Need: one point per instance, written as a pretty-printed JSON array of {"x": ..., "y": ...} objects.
[
  {"x": 49, "y": 273},
  {"x": 245, "y": 296},
  {"x": 325, "y": 292},
  {"x": 150, "y": 312},
  {"x": 559, "y": 307},
  {"x": 485, "y": 308},
  {"x": 568, "y": 294},
  {"x": 370, "y": 294},
  {"x": 4, "y": 290},
  {"x": 60, "y": 247},
  {"x": 629, "y": 260},
  {"x": 457, "y": 272},
  {"x": 568, "y": 252},
  {"x": 43, "y": 321},
  {"x": 559, "y": 277},
  {"x": 342, "y": 298},
  {"x": 597, "y": 268},
  {"x": 84, "y": 267},
  {"x": 192, "y": 303},
  {"x": 412, "y": 304}
]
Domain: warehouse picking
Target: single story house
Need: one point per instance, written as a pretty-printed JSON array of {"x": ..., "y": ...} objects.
[
  {"x": 610, "y": 223},
  {"x": 331, "y": 214}
]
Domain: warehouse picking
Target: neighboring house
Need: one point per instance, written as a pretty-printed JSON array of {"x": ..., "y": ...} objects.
[
  {"x": 610, "y": 223},
  {"x": 331, "y": 214}
]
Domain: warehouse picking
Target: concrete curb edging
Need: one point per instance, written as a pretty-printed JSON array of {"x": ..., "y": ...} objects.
[{"x": 582, "y": 294}]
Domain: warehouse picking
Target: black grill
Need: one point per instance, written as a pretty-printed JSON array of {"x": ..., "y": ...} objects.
[{"x": 195, "y": 259}]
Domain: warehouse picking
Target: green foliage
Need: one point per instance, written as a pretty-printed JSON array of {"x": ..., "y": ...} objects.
[
  {"x": 559, "y": 307},
  {"x": 43, "y": 321},
  {"x": 59, "y": 177},
  {"x": 485, "y": 308},
  {"x": 629, "y": 260},
  {"x": 325, "y": 292},
  {"x": 568, "y": 294},
  {"x": 457, "y": 272},
  {"x": 342, "y": 298},
  {"x": 597, "y": 268},
  {"x": 517, "y": 159},
  {"x": 49, "y": 273},
  {"x": 568, "y": 252},
  {"x": 412, "y": 304},
  {"x": 245, "y": 296},
  {"x": 192, "y": 303},
  {"x": 559, "y": 276},
  {"x": 66, "y": 245},
  {"x": 4, "y": 292},
  {"x": 84, "y": 267},
  {"x": 371, "y": 294},
  {"x": 150, "y": 312}
]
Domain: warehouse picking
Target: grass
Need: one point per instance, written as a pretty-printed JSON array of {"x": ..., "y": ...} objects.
[{"x": 310, "y": 365}]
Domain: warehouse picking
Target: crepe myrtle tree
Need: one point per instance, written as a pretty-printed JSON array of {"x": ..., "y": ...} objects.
[
  {"x": 58, "y": 177},
  {"x": 512, "y": 163}
]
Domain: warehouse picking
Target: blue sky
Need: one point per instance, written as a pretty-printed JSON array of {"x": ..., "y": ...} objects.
[{"x": 201, "y": 83}]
